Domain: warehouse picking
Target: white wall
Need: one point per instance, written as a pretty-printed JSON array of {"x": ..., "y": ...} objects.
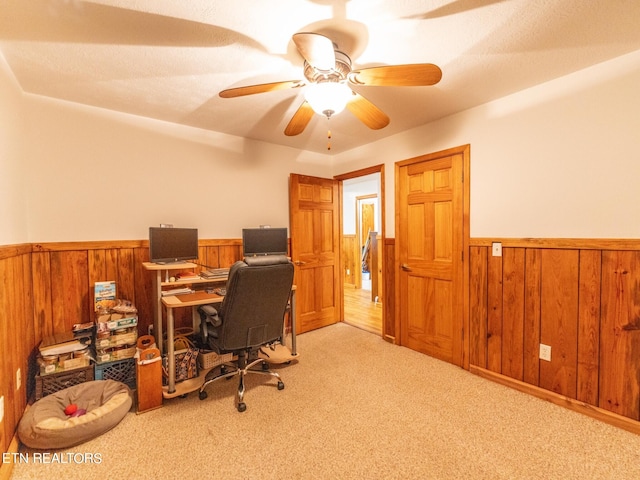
[
  {"x": 560, "y": 160},
  {"x": 13, "y": 206},
  {"x": 97, "y": 175},
  {"x": 352, "y": 188}
]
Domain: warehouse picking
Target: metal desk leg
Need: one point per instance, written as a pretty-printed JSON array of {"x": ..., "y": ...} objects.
[
  {"x": 170, "y": 352},
  {"x": 293, "y": 323}
]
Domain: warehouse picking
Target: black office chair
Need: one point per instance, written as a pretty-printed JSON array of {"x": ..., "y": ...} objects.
[{"x": 250, "y": 317}]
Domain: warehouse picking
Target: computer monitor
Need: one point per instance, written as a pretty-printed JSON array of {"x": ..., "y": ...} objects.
[
  {"x": 264, "y": 241},
  {"x": 171, "y": 245}
]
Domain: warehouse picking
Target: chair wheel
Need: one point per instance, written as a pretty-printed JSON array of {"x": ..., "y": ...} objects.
[
  {"x": 280, "y": 386},
  {"x": 242, "y": 407},
  {"x": 202, "y": 395}
]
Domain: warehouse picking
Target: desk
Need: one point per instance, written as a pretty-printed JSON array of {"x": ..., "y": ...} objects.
[
  {"x": 193, "y": 300},
  {"x": 164, "y": 268}
]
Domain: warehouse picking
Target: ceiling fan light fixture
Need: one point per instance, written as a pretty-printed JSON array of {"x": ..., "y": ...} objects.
[{"x": 327, "y": 98}]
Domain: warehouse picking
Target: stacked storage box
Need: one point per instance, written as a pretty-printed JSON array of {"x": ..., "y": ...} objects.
[
  {"x": 115, "y": 347},
  {"x": 64, "y": 360}
]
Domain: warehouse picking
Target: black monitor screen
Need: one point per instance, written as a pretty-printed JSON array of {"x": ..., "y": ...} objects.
[
  {"x": 168, "y": 245},
  {"x": 264, "y": 241}
]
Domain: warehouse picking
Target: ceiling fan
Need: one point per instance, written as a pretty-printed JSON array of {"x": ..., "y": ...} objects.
[{"x": 328, "y": 75}]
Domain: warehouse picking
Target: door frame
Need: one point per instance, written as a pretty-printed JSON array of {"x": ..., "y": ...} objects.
[
  {"x": 358, "y": 212},
  {"x": 381, "y": 202},
  {"x": 465, "y": 151}
]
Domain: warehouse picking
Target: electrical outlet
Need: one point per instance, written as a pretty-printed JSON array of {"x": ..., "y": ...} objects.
[
  {"x": 496, "y": 249},
  {"x": 18, "y": 379},
  {"x": 545, "y": 352}
]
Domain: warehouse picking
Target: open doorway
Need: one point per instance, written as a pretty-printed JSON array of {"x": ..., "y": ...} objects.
[{"x": 362, "y": 212}]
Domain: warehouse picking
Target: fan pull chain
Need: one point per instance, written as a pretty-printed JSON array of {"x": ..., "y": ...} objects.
[{"x": 328, "y": 139}]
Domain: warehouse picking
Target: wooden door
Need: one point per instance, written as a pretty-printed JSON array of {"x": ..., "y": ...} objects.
[
  {"x": 430, "y": 254},
  {"x": 315, "y": 250}
]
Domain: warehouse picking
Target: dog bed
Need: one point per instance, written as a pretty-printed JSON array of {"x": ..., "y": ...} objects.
[{"x": 46, "y": 426}]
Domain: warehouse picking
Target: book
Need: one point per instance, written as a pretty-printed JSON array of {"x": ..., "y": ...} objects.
[
  {"x": 105, "y": 295},
  {"x": 187, "y": 276},
  {"x": 215, "y": 273}
]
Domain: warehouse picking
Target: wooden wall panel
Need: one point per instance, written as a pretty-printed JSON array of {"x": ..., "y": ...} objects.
[
  {"x": 532, "y": 287},
  {"x": 28, "y": 334},
  {"x": 478, "y": 307},
  {"x": 70, "y": 290},
  {"x": 229, "y": 254},
  {"x": 589, "y": 326},
  {"x": 349, "y": 261},
  {"x": 494, "y": 314},
  {"x": 209, "y": 257},
  {"x": 16, "y": 336},
  {"x": 7, "y": 293},
  {"x": 584, "y": 302},
  {"x": 513, "y": 312},
  {"x": 559, "y": 313},
  {"x": 143, "y": 290},
  {"x": 126, "y": 279},
  {"x": 620, "y": 334},
  {"x": 42, "y": 305}
]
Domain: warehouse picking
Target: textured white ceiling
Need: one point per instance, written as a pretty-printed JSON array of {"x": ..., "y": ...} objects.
[{"x": 169, "y": 59}]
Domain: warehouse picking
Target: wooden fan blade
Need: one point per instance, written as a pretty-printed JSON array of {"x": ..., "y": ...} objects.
[
  {"x": 300, "y": 120},
  {"x": 367, "y": 112},
  {"x": 414, "y": 75},
  {"x": 262, "y": 88},
  {"x": 316, "y": 49}
]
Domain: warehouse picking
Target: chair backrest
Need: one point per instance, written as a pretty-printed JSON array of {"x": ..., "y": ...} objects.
[{"x": 253, "y": 308}]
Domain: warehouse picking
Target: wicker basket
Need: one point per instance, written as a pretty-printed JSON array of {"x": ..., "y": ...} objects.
[{"x": 211, "y": 359}]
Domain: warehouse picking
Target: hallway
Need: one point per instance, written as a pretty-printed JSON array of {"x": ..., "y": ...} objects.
[{"x": 360, "y": 311}]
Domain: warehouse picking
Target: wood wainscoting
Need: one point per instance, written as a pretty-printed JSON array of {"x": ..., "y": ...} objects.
[
  {"x": 579, "y": 297},
  {"x": 47, "y": 288}
]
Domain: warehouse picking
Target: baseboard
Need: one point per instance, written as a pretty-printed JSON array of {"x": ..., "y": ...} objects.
[{"x": 597, "y": 413}]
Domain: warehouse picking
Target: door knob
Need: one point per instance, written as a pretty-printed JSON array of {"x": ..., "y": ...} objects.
[
  {"x": 405, "y": 267},
  {"x": 299, "y": 263}
]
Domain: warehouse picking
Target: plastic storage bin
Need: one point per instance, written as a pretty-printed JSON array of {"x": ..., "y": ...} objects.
[
  {"x": 53, "y": 382},
  {"x": 121, "y": 370}
]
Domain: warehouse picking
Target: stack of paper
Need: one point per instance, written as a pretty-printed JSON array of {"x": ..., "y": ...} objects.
[{"x": 176, "y": 291}]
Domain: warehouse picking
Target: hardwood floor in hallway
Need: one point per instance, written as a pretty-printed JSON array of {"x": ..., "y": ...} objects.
[{"x": 360, "y": 311}]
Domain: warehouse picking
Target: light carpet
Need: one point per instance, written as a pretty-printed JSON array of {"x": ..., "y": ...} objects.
[{"x": 354, "y": 407}]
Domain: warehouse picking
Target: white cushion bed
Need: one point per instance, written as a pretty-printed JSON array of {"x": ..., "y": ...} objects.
[{"x": 46, "y": 426}]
